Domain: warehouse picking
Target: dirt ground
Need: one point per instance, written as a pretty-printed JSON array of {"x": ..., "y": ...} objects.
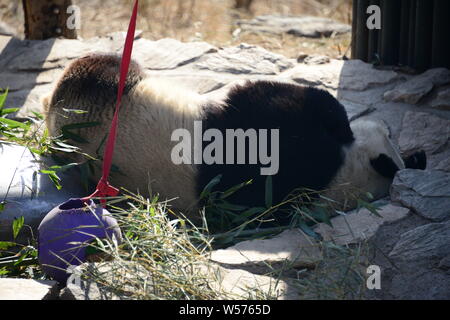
[{"x": 212, "y": 21}]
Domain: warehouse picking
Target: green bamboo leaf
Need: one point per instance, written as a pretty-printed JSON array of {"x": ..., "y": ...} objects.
[
  {"x": 36, "y": 151},
  {"x": 5, "y": 245},
  {"x": 76, "y": 111},
  {"x": 8, "y": 111},
  {"x": 21, "y": 258},
  {"x": 231, "y": 207},
  {"x": 246, "y": 214},
  {"x": 14, "y": 124},
  {"x": 38, "y": 115},
  {"x": 64, "y": 167},
  {"x": 310, "y": 232},
  {"x": 53, "y": 177},
  {"x": 3, "y": 98},
  {"x": 373, "y": 208},
  {"x": 238, "y": 231},
  {"x": 17, "y": 226},
  {"x": 64, "y": 147},
  {"x": 210, "y": 185},
  {"x": 44, "y": 171},
  {"x": 234, "y": 189}
]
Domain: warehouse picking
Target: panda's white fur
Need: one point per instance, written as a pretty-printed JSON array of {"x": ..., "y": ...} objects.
[
  {"x": 161, "y": 106},
  {"x": 143, "y": 148},
  {"x": 356, "y": 177},
  {"x": 152, "y": 108}
]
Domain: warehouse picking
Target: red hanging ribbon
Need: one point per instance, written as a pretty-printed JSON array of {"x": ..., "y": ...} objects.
[{"x": 104, "y": 189}]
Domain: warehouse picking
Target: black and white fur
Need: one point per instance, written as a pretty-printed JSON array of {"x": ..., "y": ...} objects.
[{"x": 319, "y": 149}]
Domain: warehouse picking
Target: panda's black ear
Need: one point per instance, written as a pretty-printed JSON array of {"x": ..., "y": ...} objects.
[
  {"x": 417, "y": 160},
  {"x": 385, "y": 166}
]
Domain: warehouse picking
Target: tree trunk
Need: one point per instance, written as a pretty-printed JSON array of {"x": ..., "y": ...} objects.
[
  {"x": 47, "y": 19},
  {"x": 243, "y": 4}
]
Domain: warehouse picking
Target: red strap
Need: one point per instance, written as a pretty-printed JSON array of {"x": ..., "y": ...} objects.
[{"x": 104, "y": 189}]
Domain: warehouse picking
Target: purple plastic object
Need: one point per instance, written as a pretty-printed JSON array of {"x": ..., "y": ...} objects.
[{"x": 66, "y": 230}]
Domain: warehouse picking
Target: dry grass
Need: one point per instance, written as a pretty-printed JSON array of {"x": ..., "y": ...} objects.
[
  {"x": 162, "y": 258},
  {"x": 340, "y": 275},
  {"x": 212, "y": 21}
]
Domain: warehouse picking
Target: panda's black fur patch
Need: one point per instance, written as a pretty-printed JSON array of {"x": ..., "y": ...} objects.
[
  {"x": 385, "y": 166},
  {"x": 313, "y": 128},
  {"x": 417, "y": 160}
]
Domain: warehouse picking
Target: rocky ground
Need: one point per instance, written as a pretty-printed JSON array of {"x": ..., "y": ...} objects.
[
  {"x": 215, "y": 21},
  {"x": 410, "y": 241}
]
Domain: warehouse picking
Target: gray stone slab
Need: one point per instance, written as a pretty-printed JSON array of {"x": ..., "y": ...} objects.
[
  {"x": 244, "y": 59},
  {"x": 425, "y": 192},
  {"x": 357, "y": 75},
  {"x": 430, "y": 241},
  {"x": 300, "y": 26},
  {"x": 28, "y": 289},
  {"x": 169, "y": 53},
  {"x": 423, "y": 131},
  {"x": 359, "y": 225},
  {"x": 414, "y": 89}
]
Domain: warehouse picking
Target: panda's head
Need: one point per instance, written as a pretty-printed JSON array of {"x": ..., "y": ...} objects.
[
  {"x": 370, "y": 164},
  {"x": 374, "y": 148}
]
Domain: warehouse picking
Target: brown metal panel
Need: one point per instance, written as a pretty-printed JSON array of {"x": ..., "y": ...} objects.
[
  {"x": 440, "y": 56},
  {"x": 404, "y": 32},
  {"x": 423, "y": 34},
  {"x": 362, "y": 33},
  {"x": 390, "y": 32}
]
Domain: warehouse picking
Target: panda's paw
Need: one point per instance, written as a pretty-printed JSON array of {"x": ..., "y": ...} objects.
[{"x": 417, "y": 160}]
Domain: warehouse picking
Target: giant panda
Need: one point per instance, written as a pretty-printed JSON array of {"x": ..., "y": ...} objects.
[{"x": 318, "y": 148}]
